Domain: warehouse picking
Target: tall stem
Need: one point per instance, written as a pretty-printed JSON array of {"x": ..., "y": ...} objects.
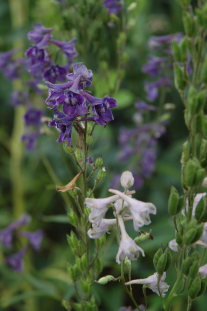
[{"x": 173, "y": 292}]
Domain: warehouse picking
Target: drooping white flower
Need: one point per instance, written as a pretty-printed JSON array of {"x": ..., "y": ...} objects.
[
  {"x": 203, "y": 271},
  {"x": 173, "y": 245},
  {"x": 98, "y": 230},
  {"x": 197, "y": 198},
  {"x": 99, "y": 207},
  {"x": 139, "y": 210},
  {"x": 152, "y": 283},
  {"x": 127, "y": 248}
]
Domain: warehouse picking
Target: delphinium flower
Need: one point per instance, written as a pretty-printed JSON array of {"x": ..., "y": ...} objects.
[
  {"x": 113, "y": 6},
  {"x": 19, "y": 98},
  {"x": 11, "y": 67},
  {"x": 139, "y": 145},
  {"x": 125, "y": 208},
  {"x": 152, "y": 283},
  {"x": 34, "y": 239},
  {"x": 76, "y": 103}
]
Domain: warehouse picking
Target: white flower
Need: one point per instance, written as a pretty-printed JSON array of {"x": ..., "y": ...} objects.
[
  {"x": 195, "y": 203},
  {"x": 127, "y": 179},
  {"x": 140, "y": 211},
  {"x": 99, "y": 207},
  {"x": 203, "y": 271},
  {"x": 173, "y": 245},
  {"x": 98, "y": 230},
  {"x": 152, "y": 283},
  {"x": 127, "y": 248}
]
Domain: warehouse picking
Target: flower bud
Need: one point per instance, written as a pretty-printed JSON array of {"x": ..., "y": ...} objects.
[
  {"x": 89, "y": 128},
  {"x": 68, "y": 149},
  {"x": 203, "y": 148},
  {"x": 203, "y": 287},
  {"x": 78, "y": 306},
  {"x": 132, "y": 6},
  {"x": 84, "y": 262},
  {"x": 186, "y": 152},
  {"x": 173, "y": 201},
  {"x": 162, "y": 261},
  {"x": 199, "y": 232},
  {"x": 194, "y": 288},
  {"x": 79, "y": 154},
  {"x": 187, "y": 118},
  {"x": 190, "y": 169},
  {"x": 195, "y": 256},
  {"x": 183, "y": 49},
  {"x": 101, "y": 174},
  {"x": 127, "y": 180},
  {"x": 72, "y": 271},
  {"x": 199, "y": 176},
  {"x": 200, "y": 122},
  {"x": 89, "y": 140},
  {"x": 157, "y": 255},
  {"x": 86, "y": 288},
  {"x": 104, "y": 280},
  {"x": 199, "y": 17},
  {"x": 176, "y": 51},
  {"x": 191, "y": 225},
  {"x": 187, "y": 263},
  {"x": 178, "y": 238},
  {"x": 201, "y": 99},
  {"x": 98, "y": 265},
  {"x": 169, "y": 259},
  {"x": 191, "y": 101},
  {"x": 72, "y": 218},
  {"x": 181, "y": 203},
  {"x": 99, "y": 161},
  {"x": 100, "y": 242},
  {"x": 66, "y": 305},
  {"x": 179, "y": 77},
  {"x": 189, "y": 236},
  {"x": 194, "y": 270},
  {"x": 188, "y": 24},
  {"x": 201, "y": 210},
  {"x": 204, "y": 72}
]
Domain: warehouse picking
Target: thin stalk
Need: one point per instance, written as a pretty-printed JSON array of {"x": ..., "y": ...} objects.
[{"x": 173, "y": 292}]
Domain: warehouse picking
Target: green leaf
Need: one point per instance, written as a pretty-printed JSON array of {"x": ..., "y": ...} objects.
[{"x": 55, "y": 218}]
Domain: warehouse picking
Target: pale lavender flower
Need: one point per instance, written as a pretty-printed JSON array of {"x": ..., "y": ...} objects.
[
  {"x": 127, "y": 248},
  {"x": 38, "y": 33},
  {"x": 16, "y": 260},
  {"x": 203, "y": 271},
  {"x": 30, "y": 139},
  {"x": 113, "y": 6},
  {"x": 139, "y": 210},
  {"x": 99, "y": 207},
  {"x": 19, "y": 98},
  {"x": 104, "y": 226},
  {"x": 68, "y": 48},
  {"x": 35, "y": 238},
  {"x": 152, "y": 283},
  {"x": 157, "y": 42}
]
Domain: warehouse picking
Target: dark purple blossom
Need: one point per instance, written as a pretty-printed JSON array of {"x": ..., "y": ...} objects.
[
  {"x": 113, "y": 6},
  {"x": 68, "y": 48},
  {"x": 30, "y": 139},
  {"x": 154, "y": 65},
  {"x": 35, "y": 238},
  {"x": 16, "y": 260},
  {"x": 89, "y": 161},
  {"x": 56, "y": 73},
  {"x": 33, "y": 117},
  {"x": 7, "y": 233},
  {"x": 11, "y": 67},
  {"x": 63, "y": 124},
  {"x": 80, "y": 69},
  {"x": 152, "y": 88},
  {"x": 38, "y": 33}
]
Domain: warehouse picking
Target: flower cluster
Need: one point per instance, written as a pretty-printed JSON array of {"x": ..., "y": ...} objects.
[
  {"x": 11, "y": 67},
  {"x": 76, "y": 102},
  {"x": 113, "y": 6},
  {"x": 8, "y": 234},
  {"x": 125, "y": 208},
  {"x": 139, "y": 145}
]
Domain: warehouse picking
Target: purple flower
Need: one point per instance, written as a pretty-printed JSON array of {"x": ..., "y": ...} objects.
[
  {"x": 157, "y": 42},
  {"x": 19, "y": 98},
  {"x": 11, "y": 67},
  {"x": 113, "y": 6},
  {"x": 151, "y": 88},
  {"x": 140, "y": 105},
  {"x": 30, "y": 140},
  {"x": 5, "y": 57},
  {"x": 154, "y": 65},
  {"x": 64, "y": 124},
  {"x": 35, "y": 238},
  {"x": 16, "y": 260},
  {"x": 6, "y": 234},
  {"x": 67, "y": 47},
  {"x": 33, "y": 117},
  {"x": 38, "y": 33},
  {"x": 80, "y": 69},
  {"x": 90, "y": 161},
  {"x": 56, "y": 73}
]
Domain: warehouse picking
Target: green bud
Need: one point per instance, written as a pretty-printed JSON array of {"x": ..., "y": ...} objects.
[
  {"x": 84, "y": 262},
  {"x": 72, "y": 271},
  {"x": 101, "y": 174},
  {"x": 162, "y": 261},
  {"x": 79, "y": 154},
  {"x": 201, "y": 210},
  {"x": 100, "y": 242},
  {"x": 194, "y": 288},
  {"x": 195, "y": 256},
  {"x": 191, "y": 225},
  {"x": 89, "y": 140},
  {"x": 132, "y": 6},
  {"x": 181, "y": 204},
  {"x": 104, "y": 280},
  {"x": 72, "y": 218},
  {"x": 179, "y": 77},
  {"x": 89, "y": 128},
  {"x": 98, "y": 265},
  {"x": 121, "y": 39},
  {"x": 200, "y": 122},
  {"x": 203, "y": 148},
  {"x": 173, "y": 201},
  {"x": 187, "y": 263},
  {"x": 194, "y": 270},
  {"x": 78, "y": 263},
  {"x": 199, "y": 232},
  {"x": 187, "y": 118},
  {"x": 178, "y": 238},
  {"x": 74, "y": 239},
  {"x": 99, "y": 161},
  {"x": 70, "y": 243},
  {"x": 42, "y": 87},
  {"x": 81, "y": 246},
  {"x": 201, "y": 99},
  {"x": 78, "y": 306},
  {"x": 188, "y": 24},
  {"x": 199, "y": 17},
  {"x": 186, "y": 152},
  {"x": 203, "y": 287},
  {"x": 157, "y": 255},
  {"x": 204, "y": 72},
  {"x": 183, "y": 49},
  {"x": 176, "y": 51},
  {"x": 66, "y": 305},
  {"x": 189, "y": 236},
  {"x": 67, "y": 149},
  {"x": 199, "y": 177},
  {"x": 169, "y": 259},
  {"x": 191, "y": 101},
  {"x": 190, "y": 170}
]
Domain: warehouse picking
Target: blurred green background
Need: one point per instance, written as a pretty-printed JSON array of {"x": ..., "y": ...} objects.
[{"x": 45, "y": 281}]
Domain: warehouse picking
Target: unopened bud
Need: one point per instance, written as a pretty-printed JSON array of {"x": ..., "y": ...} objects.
[
  {"x": 199, "y": 232},
  {"x": 186, "y": 152},
  {"x": 157, "y": 255},
  {"x": 84, "y": 262},
  {"x": 173, "y": 201},
  {"x": 176, "y": 51},
  {"x": 72, "y": 218},
  {"x": 178, "y": 238},
  {"x": 201, "y": 99},
  {"x": 162, "y": 261},
  {"x": 179, "y": 77},
  {"x": 98, "y": 265},
  {"x": 200, "y": 174},
  {"x": 194, "y": 288},
  {"x": 89, "y": 127},
  {"x": 89, "y": 140},
  {"x": 190, "y": 169},
  {"x": 191, "y": 101},
  {"x": 195, "y": 256},
  {"x": 194, "y": 270},
  {"x": 101, "y": 174},
  {"x": 127, "y": 179},
  {"x": 99, "y": 161},
  {"x": 189, "y": 236},
  {"x": 78, "y": 306},
  {"x": 188, "y": 24},
  {"x": 100, "y": 242},
  {"x": 201, "y": 210},
  {"x": 79, "y": 154},
  {"x": 187, "y": 263},
  {"x": 67, "y": 149},
  {"x": 131, "y": 7},
  {"x": 203, "y": 287},
  {"x": 183, "y": 49},
  {"x": 104, "y": 280},
  {"x": 204, "y": 72},
  {"x": 169, "y": 259}
]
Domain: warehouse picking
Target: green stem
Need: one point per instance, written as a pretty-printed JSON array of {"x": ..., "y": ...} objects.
[{"x": 173, "y": 292}]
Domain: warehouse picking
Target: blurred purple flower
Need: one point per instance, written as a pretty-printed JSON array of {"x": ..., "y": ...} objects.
[
  {"x": 113, "y": 6},
  {"x": 16, "y": 260},
  {"x": 68, "y": 48},
  {"x": 19, "y": 98},
  {"x": 30, "y": 139},
  {"x": 35, "y": 238},
  {"x": 38, "y": 33},
  {"x": 157, "y": 42},
  {"x": 33, "y": 117},
  {"x": 140, "y": 105}
]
